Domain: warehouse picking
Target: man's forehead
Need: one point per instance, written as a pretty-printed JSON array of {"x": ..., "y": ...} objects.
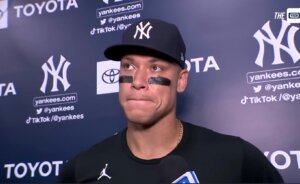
[{"x": 145, "y": 59}]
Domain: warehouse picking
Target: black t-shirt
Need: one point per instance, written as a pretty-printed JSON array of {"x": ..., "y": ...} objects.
[{"x": 213, "y": 156}]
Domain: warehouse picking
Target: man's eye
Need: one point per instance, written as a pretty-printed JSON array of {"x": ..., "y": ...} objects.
[
  {"x": 127, "y": 66},
  {"x": 156, "y": 68}
]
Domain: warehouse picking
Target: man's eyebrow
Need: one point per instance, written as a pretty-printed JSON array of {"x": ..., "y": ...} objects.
[
  {"x": 156, "y": 60},
  {"x": 127, "y": 58},
  {"x": 152, "y": 60}
]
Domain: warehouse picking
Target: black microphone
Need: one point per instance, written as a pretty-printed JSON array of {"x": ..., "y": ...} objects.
[{"x": 175, "y": 169}]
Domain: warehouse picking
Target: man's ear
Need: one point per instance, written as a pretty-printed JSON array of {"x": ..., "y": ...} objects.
[{"x": 182, "y": 80}]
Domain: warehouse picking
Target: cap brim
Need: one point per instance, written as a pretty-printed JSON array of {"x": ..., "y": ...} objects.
[{"x": 117, "y": 52}]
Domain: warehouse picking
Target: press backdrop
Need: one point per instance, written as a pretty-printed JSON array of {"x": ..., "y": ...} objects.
[{"x": 58, "y": 93}]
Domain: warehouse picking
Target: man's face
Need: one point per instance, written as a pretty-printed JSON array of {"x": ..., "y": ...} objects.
[{"x": 148, "y": 88}]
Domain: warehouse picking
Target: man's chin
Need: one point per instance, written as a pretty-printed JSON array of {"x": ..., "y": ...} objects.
[{"x": 141, "y": 122}]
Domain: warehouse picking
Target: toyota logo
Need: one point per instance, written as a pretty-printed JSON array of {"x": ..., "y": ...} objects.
[{"x": 111, "y": 76}]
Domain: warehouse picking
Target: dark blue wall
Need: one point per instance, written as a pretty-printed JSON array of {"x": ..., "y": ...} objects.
[{"x": 42, "y": 126}]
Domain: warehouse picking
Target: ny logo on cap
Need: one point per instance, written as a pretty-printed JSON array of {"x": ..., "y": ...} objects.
[{"x": 142, "y": 30}]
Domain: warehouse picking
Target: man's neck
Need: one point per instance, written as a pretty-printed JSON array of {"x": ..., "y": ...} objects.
[{"x": 155, "y": 141}]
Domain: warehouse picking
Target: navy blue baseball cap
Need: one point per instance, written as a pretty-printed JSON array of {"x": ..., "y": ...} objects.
[{"x": 150, "y": 37}]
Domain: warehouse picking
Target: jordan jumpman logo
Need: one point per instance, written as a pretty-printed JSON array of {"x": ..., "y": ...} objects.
[{"x": 103, "y": 173}]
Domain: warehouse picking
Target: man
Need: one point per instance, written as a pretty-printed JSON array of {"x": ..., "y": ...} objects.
[{"x": 152, "y": 72}]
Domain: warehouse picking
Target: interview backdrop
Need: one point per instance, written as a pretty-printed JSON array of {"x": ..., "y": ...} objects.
[{"x": 59, "y": 94}]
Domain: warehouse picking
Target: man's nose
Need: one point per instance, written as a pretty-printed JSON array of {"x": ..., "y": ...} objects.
[{"x": 140, "y": 80}]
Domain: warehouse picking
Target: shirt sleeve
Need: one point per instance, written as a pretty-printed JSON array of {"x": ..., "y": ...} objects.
[{"x": 256, "y": 167}]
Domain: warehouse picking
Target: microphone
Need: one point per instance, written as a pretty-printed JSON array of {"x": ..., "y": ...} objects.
[{"x": 175, "y": 169}]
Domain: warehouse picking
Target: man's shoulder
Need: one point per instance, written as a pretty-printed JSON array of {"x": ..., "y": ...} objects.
[
  {"x": 206, "y": 133},
  {"x": 211, "y": 139},
  {"x": 230, "y": 153},
  {"x": 208, "y": 141},
  {"x": 214, "y": 141},
  {"x": 107, "y": 147},
  {"x": 88, "y": 163}
]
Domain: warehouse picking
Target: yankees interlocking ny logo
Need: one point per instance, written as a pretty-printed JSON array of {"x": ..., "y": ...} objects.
[
  {"x": 276, "y": 42},
  {"x": 142, "y": 30},
  {"x": 62, "y": 68}
]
